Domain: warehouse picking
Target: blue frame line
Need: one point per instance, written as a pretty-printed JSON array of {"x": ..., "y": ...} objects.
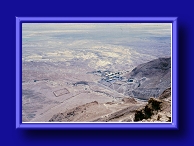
[
  {"x": 18, "y": 72},
  {"x": 139, "y": 125},
  {"x": 96, "y": 19},
  {"x": 174, "y": 73}
]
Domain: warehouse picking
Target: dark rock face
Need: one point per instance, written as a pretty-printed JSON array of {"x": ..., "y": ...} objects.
[
  {"x": 148, "y": 111},
  {"x": 157, "y": 110}
]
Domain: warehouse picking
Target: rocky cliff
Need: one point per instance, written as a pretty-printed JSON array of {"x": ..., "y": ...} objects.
[{"x": 156, "y": 110}]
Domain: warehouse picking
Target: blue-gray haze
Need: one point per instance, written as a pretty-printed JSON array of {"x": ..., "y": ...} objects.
[{"x": 144, "y": 41}]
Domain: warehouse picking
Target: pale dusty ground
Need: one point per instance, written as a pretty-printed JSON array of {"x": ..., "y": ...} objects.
[
  {"x": 39, "y": 103},
  {"x": 116, "y": 111},
  {"x": 71, "y": 94}
]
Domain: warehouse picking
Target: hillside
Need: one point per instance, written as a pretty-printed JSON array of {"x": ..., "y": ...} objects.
[
  {"x": 150, "y": 81},
  {"x": 126, "y": 110},
  {"x": 150, "y": 78}
]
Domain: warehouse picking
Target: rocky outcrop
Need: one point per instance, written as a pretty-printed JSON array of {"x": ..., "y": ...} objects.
[
  {"x": 129, "y": 100},
  {"x": 100, "y": 112},
  {"x": 157, "y": 110},
  {"x": 123, "y": 115},
  {"x": 166, "y": 94}
]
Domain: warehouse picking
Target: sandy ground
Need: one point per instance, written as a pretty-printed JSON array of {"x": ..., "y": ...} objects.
[{"x": 54, "y": 92}]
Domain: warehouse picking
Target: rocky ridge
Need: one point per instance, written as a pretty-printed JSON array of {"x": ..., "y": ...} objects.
[{"x": 157, "y": 110}]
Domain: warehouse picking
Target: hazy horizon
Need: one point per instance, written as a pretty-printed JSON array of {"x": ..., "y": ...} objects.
[{"x": 143, "y": 41}]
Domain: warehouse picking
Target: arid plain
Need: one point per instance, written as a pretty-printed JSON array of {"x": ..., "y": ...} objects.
[{"x": 94, "y": 72}]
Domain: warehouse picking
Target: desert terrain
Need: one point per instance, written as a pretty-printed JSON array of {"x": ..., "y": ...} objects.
[{"x": 96, "y": 73}]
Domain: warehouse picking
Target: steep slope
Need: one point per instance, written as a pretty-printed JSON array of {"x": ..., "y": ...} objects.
[
  {"x": 125, "y": 110},
  {"x": 150, "y": 79},
  {"x": 99, "y": 112}
]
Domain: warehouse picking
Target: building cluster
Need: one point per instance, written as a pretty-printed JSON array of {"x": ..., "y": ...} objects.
[{"x": 111, "y": 76}]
